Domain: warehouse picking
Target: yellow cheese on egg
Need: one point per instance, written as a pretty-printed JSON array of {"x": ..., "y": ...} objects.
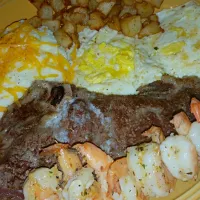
[
  {"x": 173, "y": 48},
  {"x": 105, "y": 62},
  {"x": 21, "y": 43}
]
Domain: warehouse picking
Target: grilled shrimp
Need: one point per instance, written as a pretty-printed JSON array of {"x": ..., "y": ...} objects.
[
  {"x": 195, "y": 108},
  {"x": 42, "y": 184},
  {"x": 67, "y": 159},
  {"x": 82, "y": 186},
  {"x": 122, "y": 183},
  {"x": 180, "y": 156},
  {"x": 153, "y": 178},
  {"x": 99, "y": 161},
  {"x": 183, "y": 125}
]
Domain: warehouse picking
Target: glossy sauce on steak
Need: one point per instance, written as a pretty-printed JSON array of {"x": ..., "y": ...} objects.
[{"x": 53, "y": 112}]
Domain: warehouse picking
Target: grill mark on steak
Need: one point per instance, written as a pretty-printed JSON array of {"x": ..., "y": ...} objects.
[{"x": 110, "y": 121}]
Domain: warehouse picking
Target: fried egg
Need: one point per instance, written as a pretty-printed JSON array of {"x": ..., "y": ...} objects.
[
  {"x": 111, "y": 63},
  {"x": 177, "y": 49},
  {"x": 107, "y": 62},
  {"x": 28, "y": 54}
]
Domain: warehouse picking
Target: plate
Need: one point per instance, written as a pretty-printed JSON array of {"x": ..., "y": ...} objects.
[{"x": 13, "y": 10}]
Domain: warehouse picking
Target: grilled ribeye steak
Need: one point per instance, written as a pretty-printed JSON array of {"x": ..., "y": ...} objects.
[{"x": 52, "y": 111}]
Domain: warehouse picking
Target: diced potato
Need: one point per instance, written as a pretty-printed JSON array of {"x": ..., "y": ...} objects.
[
  {"x": 114, "y": 24},
  {"x": 154, "y": 18},
  {"x": 105, "y": 7},
  {"x": 80, "y": 27},
  {"x": 45, "y": 11},
  {"x": 53, "y": 25},
  {"x": 75, "y": 40},
  {"x": 150, "y": 29},
  {"x": 96, "y": 20},
  {"x": 57, "y": 5},
  {"x": 69, "y": 27},
  {"x": 84, "y": 12},
  {"x": 77, "y": 15},
  {"x": 63, "y": 38},
  {"x": 131, "y": 26},
  {"x": 37, "y": 3},
  {"x": 155, "y": 3},
  {"x": 80, "y": 10},
  {"x": 128, "y": 10},
  {"x": 144, "y": 9},
  {"x": 81, "y": 3},
  {"x": 145, "y": 21},
  {"x": 129, "y": 2},
  {"x": 116, "y": 9},
  {"x": 76, "y": 18},
  {"x": 93, "y": 5},
  {"x": 35, "y": 21},
  {"x": 58, "y": 16}
]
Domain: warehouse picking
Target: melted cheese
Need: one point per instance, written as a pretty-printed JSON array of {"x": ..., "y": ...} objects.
[{"x": 22, "y": 50}]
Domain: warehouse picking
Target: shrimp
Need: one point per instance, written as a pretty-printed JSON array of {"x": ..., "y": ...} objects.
[
  {"x": 99, "y": 161},
  {"x": 155, "y": 133},
  {"x": 180, "y": 156},
  {"x": 81, "y": 186},
  {"x": 195, "y": 108},
  {"x": 183, "y": 125},
  {"x": 121, "y": 182},
  {"x": 42, "y": 184},
  {"x": 146, "y": 163},
  {"x": 67, "y": 159}
]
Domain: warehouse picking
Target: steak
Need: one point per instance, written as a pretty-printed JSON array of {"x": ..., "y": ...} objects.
[{"x": 52, "y": 112}]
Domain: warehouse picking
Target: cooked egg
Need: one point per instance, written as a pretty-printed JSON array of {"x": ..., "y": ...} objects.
[
  {"x": 108, "y": 62},
  {"x": 176, "y": 50},
  {"x": 28, "y": 54}
]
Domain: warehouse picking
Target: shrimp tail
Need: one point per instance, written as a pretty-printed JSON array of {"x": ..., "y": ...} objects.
[
  {"x": 181, "y": 123},
  {"x": 53, "y": 149},
  {"x": 195, "y": 108},
  {"x": 155, "y": 133}
]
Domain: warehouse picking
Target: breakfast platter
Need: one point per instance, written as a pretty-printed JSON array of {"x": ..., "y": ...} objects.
[{"x": 94, "y": 65}]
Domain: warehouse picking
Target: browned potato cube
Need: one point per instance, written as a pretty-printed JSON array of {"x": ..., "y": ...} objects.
[
  {"x": 53, "y": 25},
  {"x": 76, "y": 18},
  {"x": 37, "y": 3},
  {"x": 45, "y": 11},
  {"x": 114, "y": 24},
  {"x": 131, "y": 26},
  {"x": 144, "y": 9},
  {"x": 75, "y": 40},
  {"x": 69, "y": 27},
  {"x": 63, "y": 38},
  {"x": 155, "y": 3},
  {"x": 57, "y": 5},
  {"x": 81, "y": 3},
  {"x": 145, "y": 21},
  {"x": 96, "y": 20},
  {"x": 35, "y": 22},
  {"x": 116, "y": 9},
  {"x": 105, "y": 7},
  {"x": 150, "y": 29},
  {"x": 77, "y": 15},
  {"x": 154, "y": 18},
  {"x": 129, "y": 2},
  {"x": 128, "y": 10},
  {"x": 93, "y": 4},
  {"x": 80, "y": 27}
]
